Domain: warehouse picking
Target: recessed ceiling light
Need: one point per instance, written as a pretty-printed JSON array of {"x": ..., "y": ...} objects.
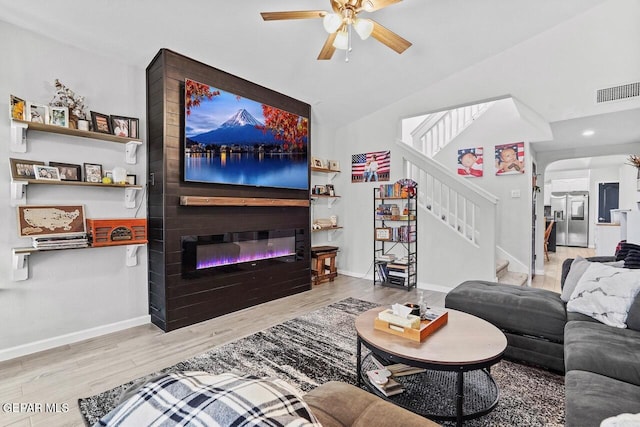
[{"x": 588, "y": 132}]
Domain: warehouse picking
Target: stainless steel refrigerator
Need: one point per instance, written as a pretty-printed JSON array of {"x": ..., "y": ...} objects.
[{"x": 571, "y": 214}]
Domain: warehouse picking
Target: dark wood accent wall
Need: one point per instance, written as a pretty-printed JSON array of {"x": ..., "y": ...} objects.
[{"x": 175, "y": 301}]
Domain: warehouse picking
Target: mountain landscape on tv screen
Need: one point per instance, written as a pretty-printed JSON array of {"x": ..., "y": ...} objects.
[{"x": 241, "y": 128}]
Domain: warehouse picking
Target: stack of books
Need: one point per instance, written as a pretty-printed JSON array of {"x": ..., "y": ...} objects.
[
  {"x": 398, "y": 274},
  {"x": 389, "y": 388},
  {"x": 74, "y": 241}
]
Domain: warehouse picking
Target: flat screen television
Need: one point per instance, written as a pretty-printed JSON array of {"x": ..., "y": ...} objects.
[{"x": 235, "y": 140}]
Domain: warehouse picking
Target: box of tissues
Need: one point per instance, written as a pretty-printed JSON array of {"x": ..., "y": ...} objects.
[{"x": 399, "y": 321}]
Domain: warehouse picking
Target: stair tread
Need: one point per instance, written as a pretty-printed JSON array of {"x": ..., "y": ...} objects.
[
  {"x": 513, "y": 278},
  {"x": 501, "y": 267}
]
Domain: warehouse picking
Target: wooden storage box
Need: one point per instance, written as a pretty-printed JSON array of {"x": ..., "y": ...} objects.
[
  {"x": 427, "y": 327},
  {"x": 117, "y": 231}
]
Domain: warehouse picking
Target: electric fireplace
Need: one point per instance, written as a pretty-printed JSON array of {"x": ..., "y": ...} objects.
[{"x": 237, "y": 251}]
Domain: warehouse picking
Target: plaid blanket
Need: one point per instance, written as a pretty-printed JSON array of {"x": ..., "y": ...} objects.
[{"x": 202, "y": 399}]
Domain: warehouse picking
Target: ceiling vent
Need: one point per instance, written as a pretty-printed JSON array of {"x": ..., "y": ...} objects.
[{"x": 618, "y": 93}]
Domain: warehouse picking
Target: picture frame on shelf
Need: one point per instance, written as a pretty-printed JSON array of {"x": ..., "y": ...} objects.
[
  {"x": 23, "y": 169},
  {"x": 134, "y": 128},
  {"x": 382, "y": 233},
  {"x": 68, "y": 171},
  {"x": 59, "y": 116},
  {"x": 121, "y": 126},
  {"x": 37, "y": 113},
  {"x": 92, "y": 172},
  {"x": 316, "y": 162},
  {"x": 18, "y": 107},
  {"x": 101, "y": 122},
  {"x": 50, "y": 220},
  {"x": 334, "y": 165},
  {"x": 329, "y": 190},
  {"x": 46, "y": 173},
  {"x": 131, "y": 180},
  {"x": 319, "y": 189}
]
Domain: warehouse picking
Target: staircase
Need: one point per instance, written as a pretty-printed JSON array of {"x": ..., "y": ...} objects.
[
  {"x": 509, "y": 277},
  {"x": 438, "y": 129}
]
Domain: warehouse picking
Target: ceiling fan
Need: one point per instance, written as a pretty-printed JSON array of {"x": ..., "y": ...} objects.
[{"x": 340, "y": 22}]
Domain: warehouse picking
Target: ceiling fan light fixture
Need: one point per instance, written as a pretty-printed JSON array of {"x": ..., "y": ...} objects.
[
  {"x": 331, "y": 22},
  {"x": 341, "y": 41},
  {"x": 364, "y": 27}
]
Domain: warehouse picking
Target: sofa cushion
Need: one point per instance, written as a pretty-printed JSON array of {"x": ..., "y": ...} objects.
[
  {"x": 604, "y": 350},
  {"x": 590, "y": 398},
  {"x": 337, "y": 404},
  {"x": 525, "y": 311},
  {"x": 566, "y": 265},
  {"x": 605, "y": 293}
]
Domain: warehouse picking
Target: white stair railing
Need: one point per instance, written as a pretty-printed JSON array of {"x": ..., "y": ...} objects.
[
  {"x": 465, "y": 209},
  {"x": 438, "y": 129}
]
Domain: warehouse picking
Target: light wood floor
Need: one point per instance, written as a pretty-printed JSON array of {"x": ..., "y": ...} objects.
[
  {"x": 553, "y": 268},
  {"x": 64, "y": 374}
]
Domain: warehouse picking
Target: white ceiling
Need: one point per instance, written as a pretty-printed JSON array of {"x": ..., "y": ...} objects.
[{"x": 448, "y": 37}]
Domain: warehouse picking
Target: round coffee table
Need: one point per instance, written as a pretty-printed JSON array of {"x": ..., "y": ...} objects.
[{"x": 457, "y": 385}]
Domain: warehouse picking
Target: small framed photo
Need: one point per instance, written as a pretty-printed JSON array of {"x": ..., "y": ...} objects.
[
  {"x": 68, "y": 171},
  {"x": 23, "y": 169},
  {"x": 18, "y": 108},
  {"x": 92, "y": 172},
  {"x": 319, "y": 189},
  {"x": 121, "y": 126},
  {"x": 37, "y": 113},
  {"x": 131, "y": 180},
  {"x": 316, "y": 162},
  {"x": 100, "y": 122},
  {"x": 47, "y": 173},
  {"x": 59, "y": 116},
  {"x": 382, "y": 233},
  {"x": 334, "y": 165},
  {"x": 330, "y": 190}
]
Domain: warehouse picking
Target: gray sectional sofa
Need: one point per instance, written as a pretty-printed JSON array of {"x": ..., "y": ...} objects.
[{"x": 601, "y": 363}]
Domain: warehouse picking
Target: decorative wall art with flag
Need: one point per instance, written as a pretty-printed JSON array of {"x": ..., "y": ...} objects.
[
  {"x": 510, "y": 158},
  {"x": 371, "y": 167},
  {"x": 470, "y": 162}
]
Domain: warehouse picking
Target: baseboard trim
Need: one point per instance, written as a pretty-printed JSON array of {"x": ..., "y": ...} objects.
[
  {"x": 421, "y": 285},
  {"x": 49, "y": 343}
]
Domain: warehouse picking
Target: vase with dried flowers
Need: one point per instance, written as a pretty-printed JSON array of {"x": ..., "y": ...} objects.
[{"x": 65, "y": 97}]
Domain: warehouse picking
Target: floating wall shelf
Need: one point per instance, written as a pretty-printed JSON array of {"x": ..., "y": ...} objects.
[
  {"x": 19, "y": 190},
  {"x": 20, "y": 264},
  {"x": 19, "y": 130}
]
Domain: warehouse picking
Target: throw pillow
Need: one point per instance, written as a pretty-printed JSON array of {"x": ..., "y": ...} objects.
[
  {"x": 633, "y": 318},
  {"x": 578, "y": 267},
  {"x": 200, "y": 398},
  {"x": 605, "y": 293},
  {"x": 632, "y": 260},
  {"x": 625, "y": 247}
]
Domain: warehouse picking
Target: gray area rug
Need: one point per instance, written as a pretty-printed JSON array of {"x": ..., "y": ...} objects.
[{"x": 320, "y": 346}]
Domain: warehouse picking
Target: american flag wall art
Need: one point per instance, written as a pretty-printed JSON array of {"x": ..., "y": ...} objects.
[
  {"x": 371, "y": 167},
  {"x": 510, "y": 158}
]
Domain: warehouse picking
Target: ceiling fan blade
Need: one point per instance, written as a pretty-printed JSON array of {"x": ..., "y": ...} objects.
[
  {"x": 389, "y": 38},
  {"x": 373, "y": 5},
  {"x": 327, "y": 50},
  {"x": 298, "y": 14}
]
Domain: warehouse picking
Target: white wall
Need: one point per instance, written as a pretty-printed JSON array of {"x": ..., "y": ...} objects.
[
  {"x": 501, "y": 124},
  {"x": 70, "y": 294}
]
